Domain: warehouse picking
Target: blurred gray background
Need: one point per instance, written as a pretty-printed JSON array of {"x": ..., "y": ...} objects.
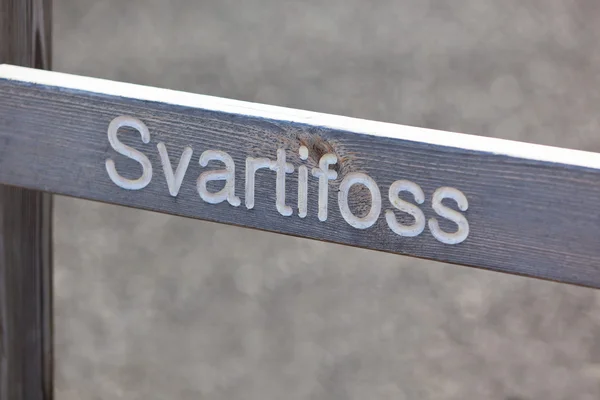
[{"x": 150, "y": 306}]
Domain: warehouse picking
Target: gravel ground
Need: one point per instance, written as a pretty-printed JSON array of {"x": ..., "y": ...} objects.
[{"x": 150, "y": 306}]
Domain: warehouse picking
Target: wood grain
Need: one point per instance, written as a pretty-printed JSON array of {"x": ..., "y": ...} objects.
[
  {"x": 533, "y": 210},
  {"x": 25, "y": 233}
]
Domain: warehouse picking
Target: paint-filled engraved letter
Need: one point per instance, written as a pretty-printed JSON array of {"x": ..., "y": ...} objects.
[
  {"x": 129, "y": 152},
  {"x": 402, "y": 205},
  {"x": 252, "y": 165},
  {"x": 359, "y": 178},
  {"x": 302, "y": 183},
  {"x": 281, "y": 167},
  {"x": 454, "y": 216},
  {"x": 325, "y": 175},
  {"x": 174, "y": 180},
  {"x": 227, "y": 175}
]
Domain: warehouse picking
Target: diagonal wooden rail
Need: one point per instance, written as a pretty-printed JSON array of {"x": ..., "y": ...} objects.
[{"x": 487, "y": 203}]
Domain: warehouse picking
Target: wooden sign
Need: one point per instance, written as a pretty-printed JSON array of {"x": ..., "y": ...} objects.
[{"x": 489, "y": 203}]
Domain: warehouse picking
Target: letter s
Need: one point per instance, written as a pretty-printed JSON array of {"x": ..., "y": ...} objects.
[
  {"x": 463, "y": 225},
  {"x": 411, "y": 209},
  {"x": 130, "y": 184}
]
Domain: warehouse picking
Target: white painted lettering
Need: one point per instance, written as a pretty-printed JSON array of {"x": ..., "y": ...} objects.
[
  {"x": 174, "y": 181},
  {"x": 129, "y": 152},
  {"x": 411, "y": 187},
  {"x": 303, "y": 151},
  {"x": 252, "y": 165},
  {"x": 227, "y": 174},
  {"x": 281, "y": 167},
  {"x": 448, "y": 213},
  {"x": 350, "y": 180},
  {"x": 302, "y": 183},
  {"x": 324, "y": 172},
  {"x": 325, "y": 175}
]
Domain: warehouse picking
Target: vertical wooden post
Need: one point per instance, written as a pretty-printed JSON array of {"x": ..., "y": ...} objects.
[{"x": 25, "y": 233}]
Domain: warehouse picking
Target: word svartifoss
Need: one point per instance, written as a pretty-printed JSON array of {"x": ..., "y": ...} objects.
[{"x": 281, "y": 168}]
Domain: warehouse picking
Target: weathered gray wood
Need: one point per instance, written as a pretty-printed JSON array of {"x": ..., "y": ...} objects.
[
  {"x": 533, "y": 210},
  {"x": 25, "y": 233}
]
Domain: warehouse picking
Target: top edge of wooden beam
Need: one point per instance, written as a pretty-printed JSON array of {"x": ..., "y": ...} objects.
[{"x": 434, "y": 137}]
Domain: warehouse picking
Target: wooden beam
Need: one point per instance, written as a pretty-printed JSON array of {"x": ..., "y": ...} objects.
[
  {"x": 25, "y": 233},
  {"x": 488, "y": 203}
]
